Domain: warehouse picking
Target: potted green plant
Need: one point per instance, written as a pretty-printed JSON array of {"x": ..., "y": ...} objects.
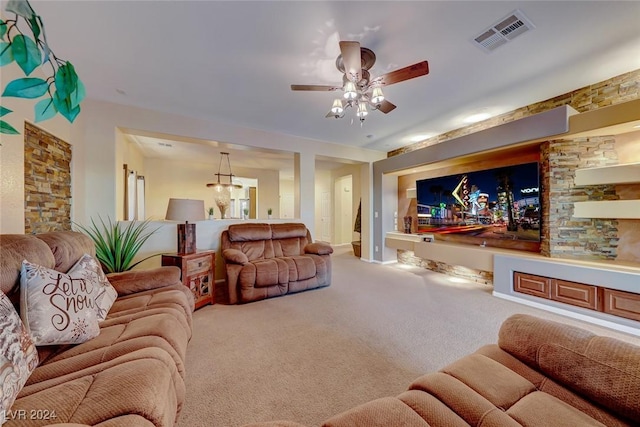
[
  {"x": 117, "y": 244},
  {"x": 210, "y": 211},
  {"x": 269, "y": 212},
  {"x": 357, "y": 227},
  {"x": 246, "y": 213}
]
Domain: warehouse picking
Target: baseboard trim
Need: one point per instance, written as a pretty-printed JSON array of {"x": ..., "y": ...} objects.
[
  {"x": 375, "y": 261},
  {"x": 572, "y": 314}
]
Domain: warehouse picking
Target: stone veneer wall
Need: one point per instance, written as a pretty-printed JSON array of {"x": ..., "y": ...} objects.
[
  {"x": 619, "y": 89},
  {"x": 478, "y": 276},
  {"x": 47, "y": 181},
  {"x": 564, "y": 235}
]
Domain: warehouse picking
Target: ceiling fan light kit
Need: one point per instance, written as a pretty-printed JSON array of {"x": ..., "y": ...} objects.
[{"x": 359, "y": 90}]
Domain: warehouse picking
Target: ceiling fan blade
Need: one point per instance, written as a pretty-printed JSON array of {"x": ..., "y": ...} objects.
[
  {"x": 322, "y": 88},
  {"x": 386, "y": 107},
  {"x": 406, "y": 73},
  {"x": 352, "y": 60}
]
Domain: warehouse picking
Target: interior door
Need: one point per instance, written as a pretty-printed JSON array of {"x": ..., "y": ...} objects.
[{"x": 325, "y": 216}]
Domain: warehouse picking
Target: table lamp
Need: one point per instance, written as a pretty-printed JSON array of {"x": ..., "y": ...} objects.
[{"x": 186, "y": 210}]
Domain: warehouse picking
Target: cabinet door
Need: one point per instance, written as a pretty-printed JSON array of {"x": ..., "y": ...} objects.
[
  {"x": 574, "y": 293},
  {"x": 623, "y": 304},
  {"x": 531, "y": 284}
]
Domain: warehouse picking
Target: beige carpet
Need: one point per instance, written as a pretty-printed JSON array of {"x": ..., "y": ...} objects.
[{"x": 307, "y": 356}]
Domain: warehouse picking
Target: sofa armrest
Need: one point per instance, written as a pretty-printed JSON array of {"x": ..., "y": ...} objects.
[
  {"x": 234, "y": 256},
  {"x": 129, "y": 282},
  {"x": 318, "y": 248}
]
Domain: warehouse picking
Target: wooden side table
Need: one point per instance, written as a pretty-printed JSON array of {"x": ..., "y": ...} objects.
[{"x": 198, "y": 274}]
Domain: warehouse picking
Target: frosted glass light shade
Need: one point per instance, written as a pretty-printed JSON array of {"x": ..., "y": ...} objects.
[
  {"x": 362, "y": 110},
  {"x": 337, "y": 107},
  {"x": 377, "y": 96},
  {"x": 350, "y": 91}
]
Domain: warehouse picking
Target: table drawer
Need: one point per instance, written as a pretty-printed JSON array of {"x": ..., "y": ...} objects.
[{"x": 198, "y": 265}]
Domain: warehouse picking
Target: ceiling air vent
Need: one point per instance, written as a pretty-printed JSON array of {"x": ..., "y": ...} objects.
[{"x": 503, "y": 31}]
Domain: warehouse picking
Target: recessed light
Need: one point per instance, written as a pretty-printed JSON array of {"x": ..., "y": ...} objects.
[
  {"x": 636, "y": 127},
  {"x": 474, "y": 118}
]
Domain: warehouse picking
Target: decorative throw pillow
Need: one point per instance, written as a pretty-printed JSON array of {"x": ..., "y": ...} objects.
[
  {"x": 87, "y": 268},
  {"x": 55, "y": 307},
  {"x": 18, "y": 355}
]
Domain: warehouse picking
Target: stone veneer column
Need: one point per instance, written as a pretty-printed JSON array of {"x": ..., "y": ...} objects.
[
  {"x": 47, "y": 181},
  {"x": 563, "y": 235}
]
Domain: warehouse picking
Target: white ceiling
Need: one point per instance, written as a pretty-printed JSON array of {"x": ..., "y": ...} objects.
[{"x": 236, "y": 60}]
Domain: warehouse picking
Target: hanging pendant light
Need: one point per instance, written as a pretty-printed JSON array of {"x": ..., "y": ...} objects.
[{"x": 222, "y": 190}]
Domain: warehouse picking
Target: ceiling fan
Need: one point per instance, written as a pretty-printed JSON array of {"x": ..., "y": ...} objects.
[{"x": 360, "y": 90}]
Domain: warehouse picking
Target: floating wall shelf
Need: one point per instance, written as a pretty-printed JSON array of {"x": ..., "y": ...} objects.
[
  {"x": 618, "y": 209},
  {"x": 628, "y": 173}
]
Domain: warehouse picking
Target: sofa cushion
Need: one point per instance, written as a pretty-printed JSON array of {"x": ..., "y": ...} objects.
[
  {"x": 318, "y": 248},
  {"x": 249, "y": 232},
  {"x": 15, "y": 248},
  {"x": 288, "y": 247},
  {"x": 87, "y": 268},
  {"x": 383, "y": 412},
  {"x": 18, "y": 354},
  {"x": 542, "y": 409},
  {"x": 235, "y": 256},
  {"x": 608, "y": 372},
  {"x": 288, "y": 231},
  {"x": 67, "y": 247},
  {"x": 55, "y": 307},
  {"x": 604, "y": 370},
  {"x": 266, "y": 272},
  {"x": 142, "y": 386},
  {"x": 305, "y": 266},
  {"x": 493, "y": 381}
]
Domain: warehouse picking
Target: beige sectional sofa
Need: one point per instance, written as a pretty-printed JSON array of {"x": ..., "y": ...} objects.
[
  {"x": 132, "y": 373},
  {"x": 540, "y": 373},
  {"x": 268, "y": 260}
]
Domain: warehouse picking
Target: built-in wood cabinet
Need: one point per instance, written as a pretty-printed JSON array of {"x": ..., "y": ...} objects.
[
  {"x": 532, "y": 285},
  {"x": 575, "y": 293},
  {"x": 606, "y": 300},
  {"x": 623, "y": 304}
]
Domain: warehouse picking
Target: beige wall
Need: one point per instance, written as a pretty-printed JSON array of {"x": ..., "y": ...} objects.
[
  {"x": 167, "y": 179},
  {"x": 12, "y": 152}
]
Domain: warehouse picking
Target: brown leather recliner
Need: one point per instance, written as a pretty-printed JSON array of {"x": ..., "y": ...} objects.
[{"x": 268, "y": 260}]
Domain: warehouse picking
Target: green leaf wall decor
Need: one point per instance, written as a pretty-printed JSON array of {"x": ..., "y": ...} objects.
[
  {"x": 45, "y": 109},
  {"x": 27, "y": 87},
  {"x": 6, "y": 54},
  {"x": 7, "y": 128},
  {"x": 64, "y": 88},
  {"x": 26, "y": 53}
]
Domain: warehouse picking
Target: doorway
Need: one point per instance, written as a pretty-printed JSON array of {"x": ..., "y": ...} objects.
[{"x": 343, "y": 197}]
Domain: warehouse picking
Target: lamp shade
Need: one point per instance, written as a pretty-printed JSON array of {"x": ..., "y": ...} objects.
[{"x": 185, "y": 210}]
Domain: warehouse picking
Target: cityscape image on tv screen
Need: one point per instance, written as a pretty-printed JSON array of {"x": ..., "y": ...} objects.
[{"x": 501, "y": 203}]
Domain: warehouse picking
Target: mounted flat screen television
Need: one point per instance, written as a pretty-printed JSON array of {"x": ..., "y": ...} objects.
[{"x": 494, "y": 207}]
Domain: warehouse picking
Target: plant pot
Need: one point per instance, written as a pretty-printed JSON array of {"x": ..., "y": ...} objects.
[
  {"x": 357, "y": 244},
  {"x": 212, "y": 217}
]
